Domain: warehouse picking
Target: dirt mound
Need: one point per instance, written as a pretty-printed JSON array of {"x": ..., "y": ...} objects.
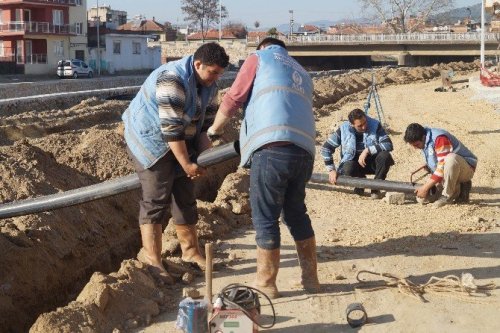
[
  {"x": 331, "y": 90},
  {"x": 131, "y": 297},
  {"x": 51, "y": 256}
]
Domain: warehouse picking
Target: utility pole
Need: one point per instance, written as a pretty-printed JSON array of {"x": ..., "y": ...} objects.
[
  {"x": 291, "y": 24},
  {"x": 482, "y": 33},
  {"x": 220, "y": 20},
  {"x": 98, "y": 42}
]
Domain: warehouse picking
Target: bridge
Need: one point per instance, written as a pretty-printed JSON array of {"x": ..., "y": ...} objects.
[{"x": 410, "y": 48}]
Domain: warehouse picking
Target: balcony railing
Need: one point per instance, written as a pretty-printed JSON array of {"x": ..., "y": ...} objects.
[
  {"x": 36, "y": 59},
  {"x": 37, "y": 27},
  {"x": 387, "y": 38},
  {"x": 55, "y": 2}
]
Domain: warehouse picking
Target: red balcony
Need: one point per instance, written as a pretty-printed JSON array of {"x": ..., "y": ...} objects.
[
  {"x": 42, "y": 2},
  {"x": 23, "y": 28}
]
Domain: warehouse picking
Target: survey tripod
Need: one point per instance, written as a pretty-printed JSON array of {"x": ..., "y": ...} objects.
[{"x": 373, "y": 93}]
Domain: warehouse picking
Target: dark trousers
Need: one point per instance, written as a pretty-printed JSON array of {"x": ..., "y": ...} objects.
[
  {"x": 377, "y": 165},
  {"x": 165, "y": 185},
  {"x": 278, "y": 178}
]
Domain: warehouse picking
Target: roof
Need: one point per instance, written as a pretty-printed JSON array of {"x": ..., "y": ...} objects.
[
  {"x": 212, "y": 35},
  {"x": 143, "y": 25}
]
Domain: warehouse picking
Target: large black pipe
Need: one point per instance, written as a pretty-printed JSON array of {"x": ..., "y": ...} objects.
[
  {"x": 374, "y": 184},
  {"x": 209, "y": 157}
]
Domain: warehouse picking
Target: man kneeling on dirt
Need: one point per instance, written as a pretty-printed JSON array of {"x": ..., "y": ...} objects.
[
  {"x": 365, "y": 148},
  {"x": 165, "y": 125},
  {"x": 450, "y": 162}
]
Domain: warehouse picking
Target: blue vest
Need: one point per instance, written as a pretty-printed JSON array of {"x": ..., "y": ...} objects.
[
  {"x": 458, "y": 148},
  {"x": 279, "y": 107},
  {"x": 142, "y": 122},
  {"x": 348, "y": 138}
]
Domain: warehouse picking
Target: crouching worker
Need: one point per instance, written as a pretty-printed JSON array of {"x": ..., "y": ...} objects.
[
  {"x": 165, "y": 125},
  {"x": 277, "y": 144},
  {"x": 449, "y": 160},
  {"x": 365, "y": 150}
]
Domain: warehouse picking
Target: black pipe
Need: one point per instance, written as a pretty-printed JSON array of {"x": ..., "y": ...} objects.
[
  {"x": 374, "y": 184},
  {"x": 77, "y": 196}
]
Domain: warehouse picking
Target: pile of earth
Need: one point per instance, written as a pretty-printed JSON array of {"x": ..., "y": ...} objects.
[{"x": 51, "y": 257}]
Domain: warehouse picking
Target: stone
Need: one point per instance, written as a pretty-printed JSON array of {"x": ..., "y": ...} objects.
[
  {"x": 394, "y": 198},
  {"x": 190, "y": 292}
]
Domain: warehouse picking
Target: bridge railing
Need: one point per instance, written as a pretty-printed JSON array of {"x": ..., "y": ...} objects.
[{"x": 387, "y": 38}]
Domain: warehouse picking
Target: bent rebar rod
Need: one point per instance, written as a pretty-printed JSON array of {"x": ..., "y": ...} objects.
[
  {"x": 374, "y": 184},
  {"x": 77, "y": 196}
]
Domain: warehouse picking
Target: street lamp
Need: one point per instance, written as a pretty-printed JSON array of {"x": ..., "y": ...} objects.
[
  {"x": 291, "y": 24},
  {"x": 482, "y": 33},
  {"x": 220, "y": 21},
  {"x": 98, "y": 42}
]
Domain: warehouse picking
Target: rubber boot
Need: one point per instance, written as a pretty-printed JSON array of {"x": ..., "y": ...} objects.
[
  {"x": 306, "y": 251},
  {"x": 188, "y": 238},
  {"x": 465, "y": 188},
  {"x": 151, "y": 243},
  {"x": 268, "y": 263}
]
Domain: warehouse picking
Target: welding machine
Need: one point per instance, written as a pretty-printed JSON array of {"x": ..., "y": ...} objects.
[{"x": 237, "y": 309}]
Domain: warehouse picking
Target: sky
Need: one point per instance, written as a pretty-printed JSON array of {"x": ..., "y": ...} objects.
[{"x": 269, "y": 13}]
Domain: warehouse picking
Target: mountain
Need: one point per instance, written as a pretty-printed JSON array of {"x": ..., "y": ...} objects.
[{"x": 459, "y": 14}]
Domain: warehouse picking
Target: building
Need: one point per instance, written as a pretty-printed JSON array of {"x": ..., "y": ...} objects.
[
  {"x": 113, "y": 18},
  {"x": 36, "y": 34},
  {"x": 122, "y": 51}
]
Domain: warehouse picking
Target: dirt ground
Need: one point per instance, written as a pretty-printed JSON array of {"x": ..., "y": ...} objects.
[{"x": 62, "y": 271}]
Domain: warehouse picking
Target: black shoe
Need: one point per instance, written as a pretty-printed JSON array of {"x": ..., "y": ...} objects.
[
  {"x": 465, "y": 188},
  {"x": 375, "y": 195},
  {"x": 359, "y": 191}
]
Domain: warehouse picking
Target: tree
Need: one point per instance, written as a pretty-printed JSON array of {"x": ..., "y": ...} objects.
[
  {"x": 237, "y": 29},
  {"x": 273, "y": 32},
  {"x": 203, "y": 13},
  {"x": 256, "y": 24},
  {"x": 402, "y": 16}
]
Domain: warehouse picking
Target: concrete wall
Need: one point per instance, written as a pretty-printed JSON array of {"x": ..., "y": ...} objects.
[{"x": 236, "y": 49}]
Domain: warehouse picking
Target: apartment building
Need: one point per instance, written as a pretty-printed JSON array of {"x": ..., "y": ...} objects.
[
  {"x": 36, "y": 34},
  {"x": 113, "y": 18}
]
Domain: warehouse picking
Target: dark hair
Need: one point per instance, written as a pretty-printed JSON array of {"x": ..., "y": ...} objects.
[
  {"x": 212, "y": 54},
  {"x": 356, "y": 114},
  {"x": 271, "y": 41},
  {"x": 414, "y": 132}
]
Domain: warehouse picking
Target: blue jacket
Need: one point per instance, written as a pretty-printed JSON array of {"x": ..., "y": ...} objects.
[
  {"x": 279, "y": 107},
  {"x": 458, "y": 148},
  {"x": 141, "y": 119},
  {"x": 370, "y": 139}
]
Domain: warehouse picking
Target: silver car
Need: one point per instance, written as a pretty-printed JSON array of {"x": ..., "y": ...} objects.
[{"x": 73, "y": 68}]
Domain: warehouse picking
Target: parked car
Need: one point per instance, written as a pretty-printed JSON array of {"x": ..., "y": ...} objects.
[{"x": 73, "y": 68}]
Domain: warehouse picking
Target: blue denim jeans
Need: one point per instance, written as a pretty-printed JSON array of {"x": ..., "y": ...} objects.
[{"x": 278, "y": 177}]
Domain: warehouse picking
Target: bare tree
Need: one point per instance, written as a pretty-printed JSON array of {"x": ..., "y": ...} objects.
[
  {"x": 237, "y": 29},
  {"x": 203, "y": 13},
  {"x": 401, "y": 16}
]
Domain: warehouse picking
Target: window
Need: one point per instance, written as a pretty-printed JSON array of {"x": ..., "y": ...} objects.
[
  {"x": 136, "y": 48},
  {"x": 57, "y": 17},
  {"x": 79, "y": 28},
  {"x": 117, "y": 47},
  {"x": 79, "y": 2},
  {"x": 2, "y": 52},
  {"x": 59, "y": 48},
  {"x": 1, "y": 16}
]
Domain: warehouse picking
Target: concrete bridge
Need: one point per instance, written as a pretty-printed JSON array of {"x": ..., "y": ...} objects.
[{"x": 410, "y": 48}]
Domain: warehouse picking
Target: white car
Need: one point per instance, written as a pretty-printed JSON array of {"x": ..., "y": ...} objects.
[{"x": 73, "y": 68}]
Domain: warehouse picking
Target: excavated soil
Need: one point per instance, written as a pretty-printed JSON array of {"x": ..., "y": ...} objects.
[{"x": 73, "y": 269}]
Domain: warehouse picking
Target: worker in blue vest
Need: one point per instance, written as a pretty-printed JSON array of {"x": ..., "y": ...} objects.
[
  {"x": 364, "y": 150},
  {"x": 452, "y": 164},
  {"x": 277, "y": 139},
  {"x": 165, "y": 126}
]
